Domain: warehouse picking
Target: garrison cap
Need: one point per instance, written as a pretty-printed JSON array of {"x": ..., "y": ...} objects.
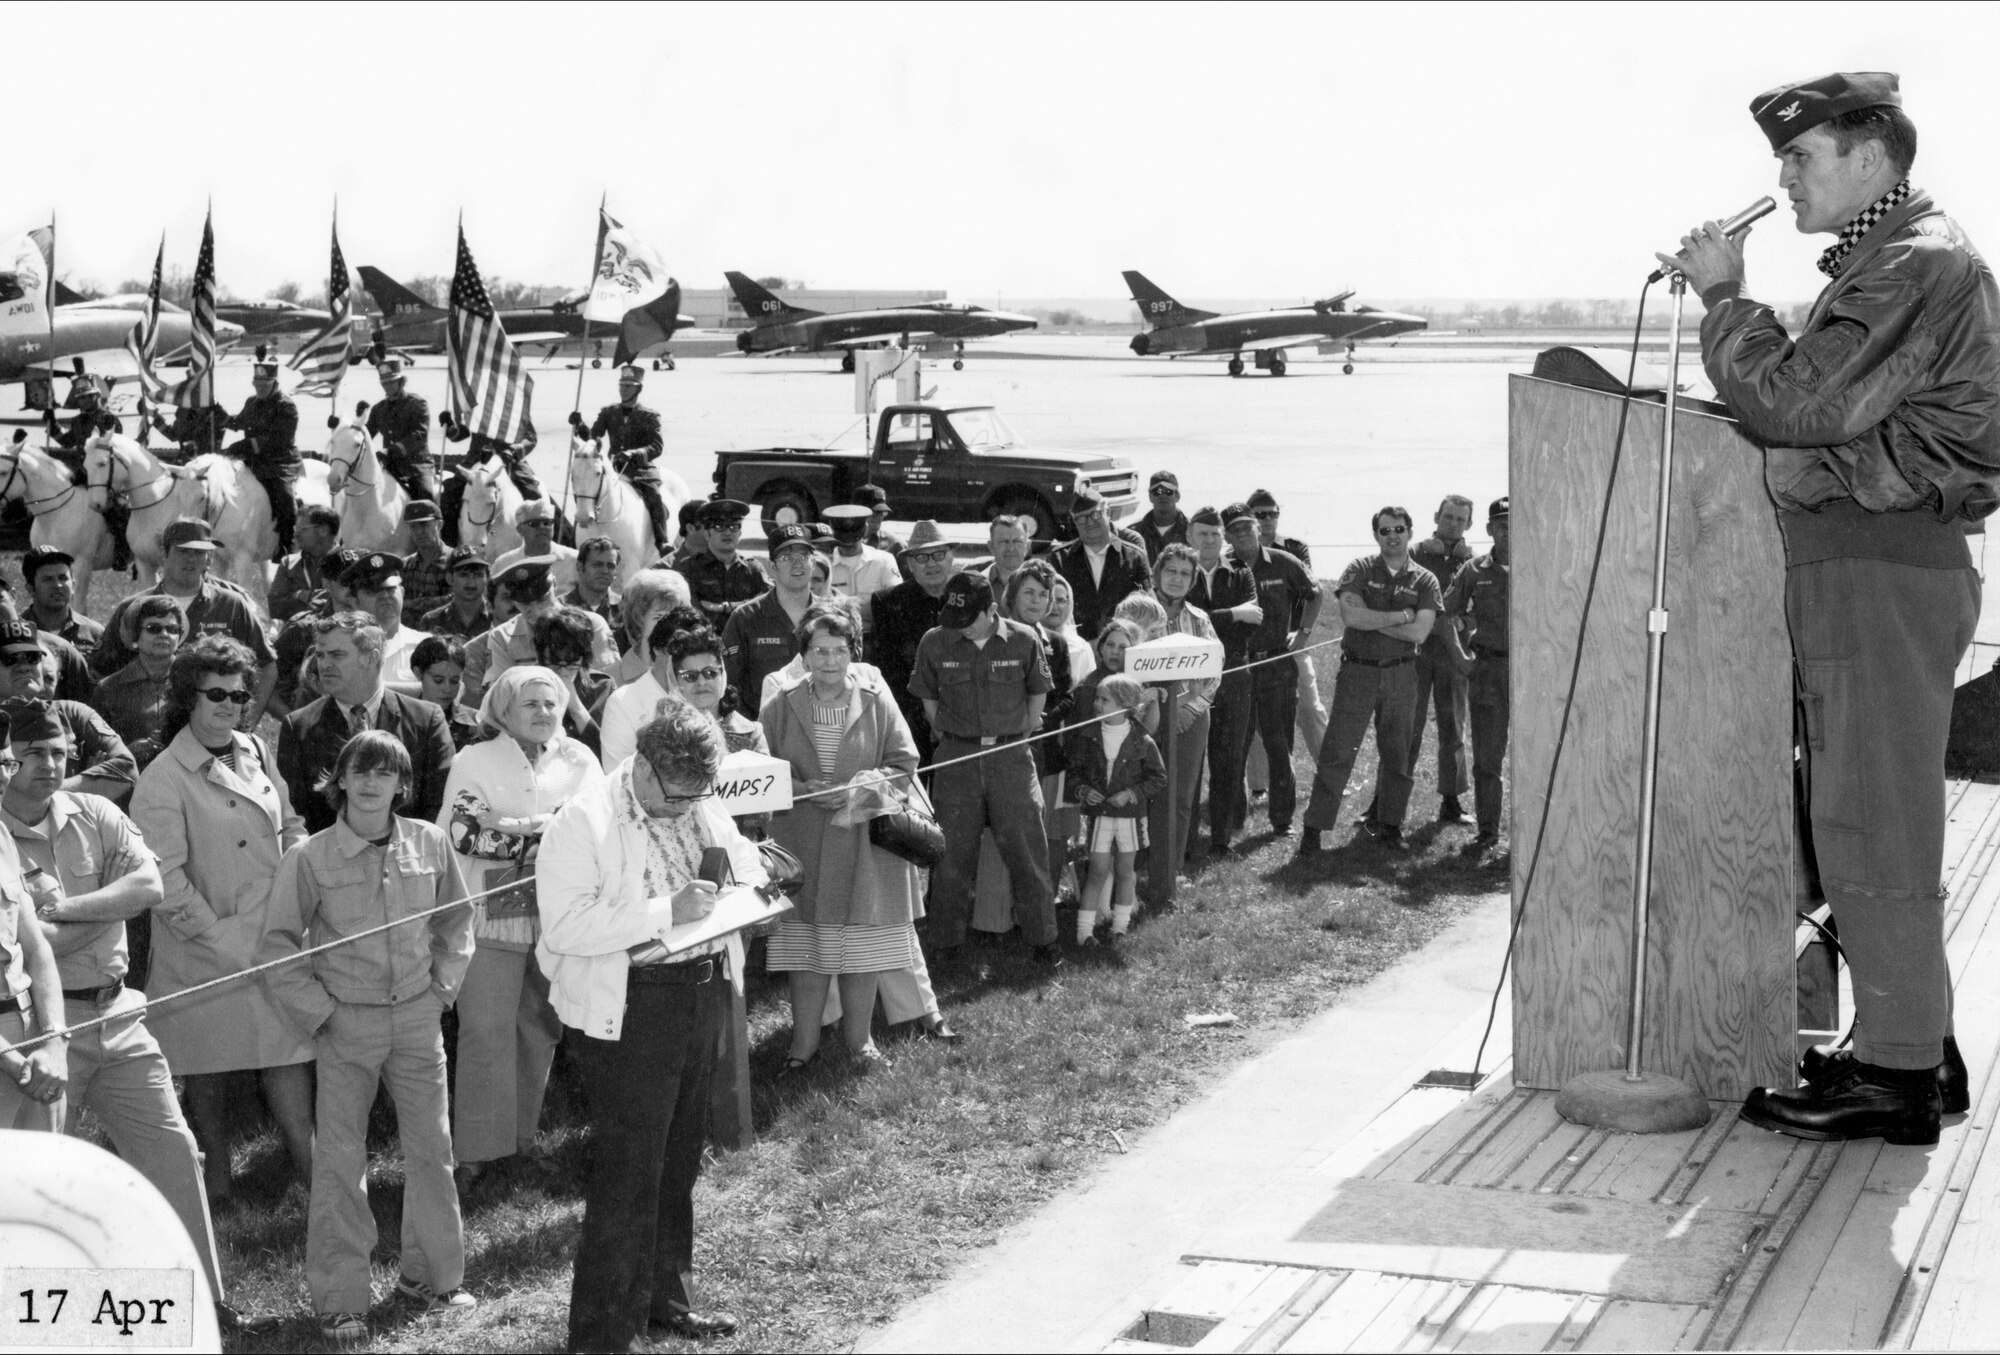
[
  {"x": 1261, "y": 498},
  {"x": 36, "y": 556},
  {"x": 1497, "y": 511},
  {"x": 374, "y": 571},
  {"x": 722, "y": 512},
  {"x": 31, "y": 722},
  {"x": 1786, "y": 111},
  {"x": 788, "y": 534},
  {"x": 872, "y": 497},
  {"x": 966, "y": 599},
  {"x": 465, "y": 557},
  {"x": 191, "y": 533},
  {"x": 16, "y": 636},
  {"x": 1205, "y": 517},
  {"x": 1237, "y": 512},
  {"x": 422, "y": 510}
]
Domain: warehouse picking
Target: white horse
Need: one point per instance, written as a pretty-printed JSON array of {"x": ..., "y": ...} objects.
[
  {"x": 215, "y": 488},
  {"x": 61, "y": 510},
  {"x": 371, "y": 501},
  {"x": 486, "y": 515},
  {"x": 603, "y": 502}
]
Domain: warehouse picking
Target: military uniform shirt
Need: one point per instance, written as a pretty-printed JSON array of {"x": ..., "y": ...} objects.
[
  {"x": 216, "y": 610},
  {"x": 445, "y": 620},
  {"x": 632, "y": 432},
  {"x": 270, "y": 427},
  {"x": 86, "y": 843},
  {"x": 1231, "y": 585},
  {"x": 198, "y": 430},
  {"x": 403, "y": 423},
  {"x": 424, "y": 584},
  {"x": 1480, "y": 592},
  {"x": 720, "y": 589},
  {"x": 981, "y": 691},
  {"x": 1284, "y": 588},
  {"x": 1370, "y": 579},
  {"x": 761, "y": 638}
]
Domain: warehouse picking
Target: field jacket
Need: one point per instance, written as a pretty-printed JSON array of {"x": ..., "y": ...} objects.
[{"x": 1138, "y": 767}]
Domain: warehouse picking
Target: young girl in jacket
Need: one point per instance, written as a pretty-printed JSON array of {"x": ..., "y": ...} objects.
[{"x": 1114, "y": 768}]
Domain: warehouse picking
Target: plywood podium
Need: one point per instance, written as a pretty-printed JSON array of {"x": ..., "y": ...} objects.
[{"x": 1721, "y": 1009}]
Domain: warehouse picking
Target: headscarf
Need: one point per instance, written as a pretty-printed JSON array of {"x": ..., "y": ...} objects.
[{"x": 506, "y": 691}]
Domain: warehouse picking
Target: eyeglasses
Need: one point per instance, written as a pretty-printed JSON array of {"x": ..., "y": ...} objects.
[
  {"x": 930, "y": 557},
  {"x": 1267, "y": 515},
  {"x": 708, "y": 674},
  {"x": 160, "y": 628},
  {"x": 8, "y": 766},
  {"x": 1392, "y": 531},
  {"x": 219, "y": 695},
  {"x": 1164, "y": 492}
]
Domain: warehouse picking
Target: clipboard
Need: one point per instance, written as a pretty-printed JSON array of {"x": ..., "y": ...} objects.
[{"x": 739, "y": 907}]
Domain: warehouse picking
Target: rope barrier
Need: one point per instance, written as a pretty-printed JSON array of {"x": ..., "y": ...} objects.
[{"x": 470, "y": 899}]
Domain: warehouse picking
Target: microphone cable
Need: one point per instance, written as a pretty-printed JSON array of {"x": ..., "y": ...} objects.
[{"x": 1575, "y": 673}]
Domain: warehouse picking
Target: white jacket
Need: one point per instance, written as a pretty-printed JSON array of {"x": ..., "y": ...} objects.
[{"x": 591, "y": 894}]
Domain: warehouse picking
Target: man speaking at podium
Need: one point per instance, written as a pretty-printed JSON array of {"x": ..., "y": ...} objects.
[{"x": 1881, "y": 429}]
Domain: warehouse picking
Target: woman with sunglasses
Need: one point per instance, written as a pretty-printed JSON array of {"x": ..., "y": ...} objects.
[
  {"x": 500, "y": 796},
  {"x": 133, "y": 700},
  {"x": 620, "y": 867},
  {"x": 218, "y": 815}
]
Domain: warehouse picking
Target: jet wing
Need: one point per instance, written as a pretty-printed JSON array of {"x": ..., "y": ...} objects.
[
  {"x": 545, "y": 336},
  {"x": 1266, "y": 341}
]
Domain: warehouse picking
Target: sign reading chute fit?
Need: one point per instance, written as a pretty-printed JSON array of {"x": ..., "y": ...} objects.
[
  {"x": 751, "y": 783},
  {"x": 1172, "y": 658}
]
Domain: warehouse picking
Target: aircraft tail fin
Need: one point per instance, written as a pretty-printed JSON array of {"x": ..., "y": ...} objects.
[
  {"x": 759, "y": 302},
  {"x": 66, "y": 295},
  {"x": 1161, "y": 311},
  {"x": 392, "y": 296}
]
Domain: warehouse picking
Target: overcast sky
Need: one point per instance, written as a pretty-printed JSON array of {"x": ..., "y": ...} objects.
[{"x": 1280, "y": 151}]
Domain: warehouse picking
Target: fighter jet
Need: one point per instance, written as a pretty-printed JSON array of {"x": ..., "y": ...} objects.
[
  {"x": 268, "y": 319},
  {"x": 1178, "y": 329},
  {"x": 782, "y": 327},
  {"x": 410, "y": 323},
  {"x": 89, "y": 335}
]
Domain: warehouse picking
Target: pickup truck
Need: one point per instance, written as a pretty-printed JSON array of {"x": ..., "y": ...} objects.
[{"x": 950, "y": 465}]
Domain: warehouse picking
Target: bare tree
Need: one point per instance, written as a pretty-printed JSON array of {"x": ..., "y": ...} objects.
[{"x": 286, "y": 291}]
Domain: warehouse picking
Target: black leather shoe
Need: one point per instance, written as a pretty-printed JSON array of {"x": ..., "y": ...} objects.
[
  {"x": 1858, "y": 1102},
  {"x": 1450, "y": 810},
  {"x": 1954, "y": 1083},
  {"x": 1050, "y": 956},
  {"x": 691, "y": 1326},
  {"x": 1308, "y": 845}
]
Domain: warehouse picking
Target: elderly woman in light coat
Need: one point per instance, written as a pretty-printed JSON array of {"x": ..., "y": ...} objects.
[
  {"x": 218, "y": 816},
  {"x": 855, "y": 918},
  {"x": 499, "y": 799}
]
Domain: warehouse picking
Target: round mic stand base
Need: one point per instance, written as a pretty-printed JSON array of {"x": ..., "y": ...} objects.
[{"x": 1650, "y": 1103}]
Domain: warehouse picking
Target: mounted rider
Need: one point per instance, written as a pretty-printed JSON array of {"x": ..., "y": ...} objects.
[
  {"x": 511, "y": 455},
  {"x": 635, "y": 444},
  {"x": 89, "y": 395},
  {"x": 403, "y": 424},
  {"x": 269, "y": 448}
]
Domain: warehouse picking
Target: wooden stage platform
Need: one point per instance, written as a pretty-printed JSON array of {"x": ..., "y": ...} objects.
[{"x": 1486, "y": 1222}]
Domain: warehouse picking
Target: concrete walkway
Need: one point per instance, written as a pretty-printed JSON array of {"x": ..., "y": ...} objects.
[{"x": 1075, "y": 1274}]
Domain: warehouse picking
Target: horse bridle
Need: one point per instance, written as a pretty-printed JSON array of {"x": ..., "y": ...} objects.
[
  {"x": 114, "y": 462},
  {"x": 351, "y": 476},
  {"x": 55, "y": 500}
]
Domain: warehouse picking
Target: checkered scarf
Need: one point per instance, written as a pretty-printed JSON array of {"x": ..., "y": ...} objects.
[{"x": 1851, "y": 233}]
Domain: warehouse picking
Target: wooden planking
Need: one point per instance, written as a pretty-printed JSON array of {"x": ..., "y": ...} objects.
[
  {"x": 1581, "y": 1319},
  {"x": 1402, "y": 1126},
  {"x": 1262, "y": 1307},
  {"x": 1532, "y": 1125},
  {"x": 1772, "y": 1307},
  {"x": 1721, "y": 1123},
  {"x": 1864, "y": 1268},
  {"x": 1962, "y": 1309},
  {"x": 1721, "y": 1004},
  {"x": 1361, "y": 1298},
  {"x": 1748, "y": 1167},
  {"x": 1211, "y": 1289},
  {"x": 1633, "y": 1166},
  {"x": 1512, "y": 1319},
  {"x": 1575, "y": 1161},
  {"x": 1472, "y": 1121},
  {"x": 1626, "y": 1325},
  {"x": 1551, "y": 1157},
  {"x": 1303, "y": 1305}
]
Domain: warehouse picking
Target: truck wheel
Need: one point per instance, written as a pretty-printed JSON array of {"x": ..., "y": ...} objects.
[
  {"x": 1041, "y": 518},
  {"x": 788, "y": 504}
]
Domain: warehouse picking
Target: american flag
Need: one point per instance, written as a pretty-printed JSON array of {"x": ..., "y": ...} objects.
[
  {"x": 489, "y": 390},
  {"x": 145, "y": 336},
  {"x": 322, "y": 362},
  {"x": 198, "y": 390}
]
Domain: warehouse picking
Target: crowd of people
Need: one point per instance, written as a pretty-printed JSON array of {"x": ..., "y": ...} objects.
[{"x": 514, "y": 761}]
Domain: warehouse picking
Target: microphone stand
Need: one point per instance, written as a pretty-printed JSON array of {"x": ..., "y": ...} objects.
[{"x": 1634, "y": 1101}]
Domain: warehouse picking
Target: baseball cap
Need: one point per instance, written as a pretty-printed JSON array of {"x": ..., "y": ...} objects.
[
  {"x": 788, "y": 534},
  {"x": 191, "y": 533},
  {"x": 36, "y": 556},
  {"x": 1164, "y": 477},
  {"x": 465, "y": 557},
  {"x": 337, "y": 564},
  {"x": 1497, "y": 510},
  {"x": 1087, "y": 500},
  {"x": 872, "y": 497},
  {"x": 1262, "y": 498},
  {"x": 966, "y": 598},
  {"x": 19, "y": 635},
  {"x": 1237, "y": 512}
]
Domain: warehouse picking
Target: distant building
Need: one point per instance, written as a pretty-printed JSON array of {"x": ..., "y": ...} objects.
[{"x": 717, "y": 308}]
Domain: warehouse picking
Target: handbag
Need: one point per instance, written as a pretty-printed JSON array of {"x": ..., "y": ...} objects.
[
  {"x": 787, "y": 872},
  {"x": 911, "y": 832}
]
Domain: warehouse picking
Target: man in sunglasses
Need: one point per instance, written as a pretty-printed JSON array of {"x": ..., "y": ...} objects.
[
  {"x": 1166, "y": 524},
  {"x": 98, "y": 762},
  {"x": 722, "y": 580},
  {"x": 1387, "y": 604},
  {"x": 1310, "y": 708},
  {"x": 903, "y": 616}
]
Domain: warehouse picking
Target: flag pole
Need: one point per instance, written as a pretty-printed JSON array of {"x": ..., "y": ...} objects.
[
  {"x": 583, "y": 309},
  {"x": 49, "y": 305}
]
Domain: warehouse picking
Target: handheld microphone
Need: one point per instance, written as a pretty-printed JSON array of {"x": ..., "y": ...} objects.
[{"x": 1756, "y": 211}]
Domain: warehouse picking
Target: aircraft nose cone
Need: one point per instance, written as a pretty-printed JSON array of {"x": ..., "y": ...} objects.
[
  {"x": 1015, "y": 320},
  {"x": 227, "y": 331}
]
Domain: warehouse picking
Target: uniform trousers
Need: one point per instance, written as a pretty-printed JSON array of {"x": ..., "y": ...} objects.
[
  {"x": 119, "y": 1073},
  {"x": 419, "y": 480},
  {"x": 1486, "y": 693},
  {"x": 1000, "y": 791},
  {"x": 1274, "y": 706},
  {"x": 1441, "y": 685},
  {"x": 358, "y": 1049},
  {"x": 1228, "y": 748},
  {"x": 1388, "y": 697},
  {"x": 18, "y": 1110},
  {"x": 281, "y": 488},
  {"x": 507, "y": 1035},
  {"x": 649, "y": 1093},
  {"x": 1875, "y": 644}
]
